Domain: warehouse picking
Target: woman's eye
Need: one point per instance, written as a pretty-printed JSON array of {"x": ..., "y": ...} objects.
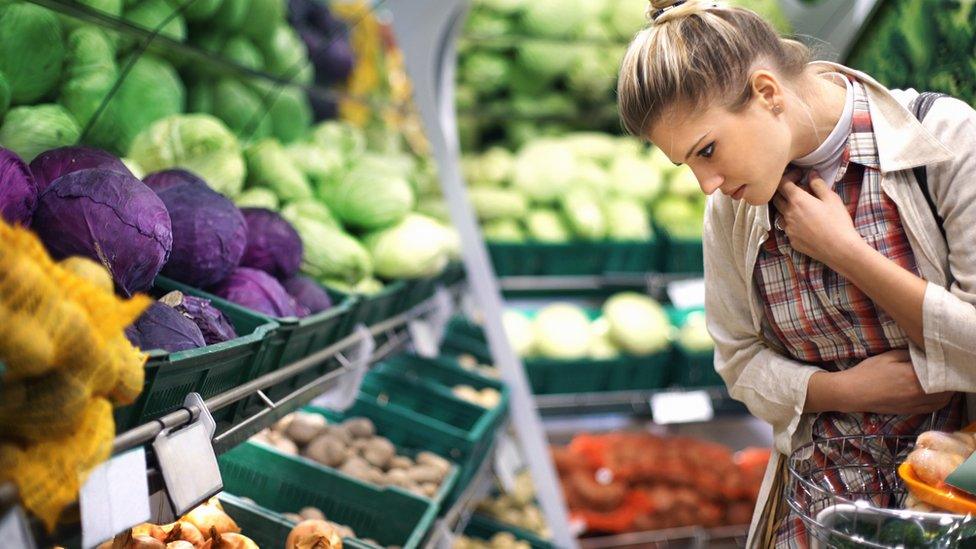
[{"x": 707, "y": 151}]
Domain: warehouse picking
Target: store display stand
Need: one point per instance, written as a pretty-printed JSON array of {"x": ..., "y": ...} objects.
[{"x": 427, "y": 32}]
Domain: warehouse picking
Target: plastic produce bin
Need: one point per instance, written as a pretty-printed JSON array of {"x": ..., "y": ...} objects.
[
  {"x": 573, "y": 258},
  {"x": 683, "y": 256},
  {"x": 484, "y": 527}
]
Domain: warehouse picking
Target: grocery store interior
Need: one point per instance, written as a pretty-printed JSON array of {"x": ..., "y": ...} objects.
[{"x": 317, "y": 274}]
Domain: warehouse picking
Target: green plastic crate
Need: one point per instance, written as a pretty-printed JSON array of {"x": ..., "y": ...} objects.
[
  {"x": 391, "y": 517},
  {"x": 457, "y": 345},
  {"x": 446, "y": 488},
  {"x": 209, "y": 370},
  {"x": 265, "y": 527},
  {"x": 550, "y": 376},
  {"x": 683, "y": 256},
  {"x": 292, "y": 340},
  {"x": 374, "y": 308},
  {"x": 574, "y": 258},
  {"x": 445, "y": 425},
  {"x": 484, "y": 527},
  {"x": 441, "y": 375}
]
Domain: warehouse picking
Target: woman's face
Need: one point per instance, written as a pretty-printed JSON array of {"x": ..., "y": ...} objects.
[{"x": 742, "y": 154}]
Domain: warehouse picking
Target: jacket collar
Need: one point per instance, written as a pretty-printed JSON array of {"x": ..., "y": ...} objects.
[{"x": 903, "y": 142}]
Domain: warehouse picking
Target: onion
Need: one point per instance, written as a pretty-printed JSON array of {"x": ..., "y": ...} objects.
[
  {"x": 313, "y": 533},
  {"x": 206, "y": 517},
  {"x": 183, "y": 531},
  {"x": 150, "y": 530},
  {"x": 180, "y": 544},
  {"x": 228, "y": 541}
]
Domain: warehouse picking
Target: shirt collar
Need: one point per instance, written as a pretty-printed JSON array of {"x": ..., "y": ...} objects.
[{"x": 862, "y": 145}]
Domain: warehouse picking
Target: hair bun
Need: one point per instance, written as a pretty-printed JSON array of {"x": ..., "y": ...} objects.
[{"x": 675, "y": 9}]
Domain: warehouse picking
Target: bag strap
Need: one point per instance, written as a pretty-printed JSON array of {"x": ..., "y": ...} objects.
[{"x": 920, "y": 106}]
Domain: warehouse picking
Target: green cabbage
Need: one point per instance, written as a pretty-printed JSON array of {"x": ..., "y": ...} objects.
[
  {"x": 496, "y": 166},
  {"x": 31, "y": 51},
  {"x": 554, "y": 18},
  {"x": 544, "y": 171},
  {"x": 199, "y": 143},
  {"x": 678, "y": 217},
  {"x": 591, "y": 77},
  {"x": 638, "y": 324},
  {"x": 88, "y": 50},
  {"x": 624, "y": 19},
  {"x": 236, "y": 104},
  {"x": 134, "y": 167},
  {"x": 546, "y": 226},
  {"x": 262, "y": 18},
  {"x": 257, "y": 198},
  {"x": 417, "y": 247},
  {"x": 340, "y": 136},
  {"x": 590, "y": 176},
  {"x": 331, "y": 254},
  {"x": 269, "y": 166},
  {"x": 312, "y": 210},
  {"x": 285, "y": 54},
  {"x": 694, "y": 335},
  {"x": 543, "y": 59},
  {"x": 434, "y": 207},
  {"x": 490, "y": 203},
  {"x": 320, "y": 164},
  {"x": 368, "y": 199},
  {"x": 290, "y": 113},
  {"x": 489, "y": 70},
  {"x": 29, "y": 131},
  {"x": 584, "y": 214},
  {"x": 627, "y": 220},
  {"x": 635, "y": 177},
  {"x": 562, "y": 331},
  {"x": 201, "y": 10},
  {"x": 242, "y": 51},
  {"x": 683, "y": 183},
  {"x": 503, "y": 230},
  {"x": 519, "y": 330},
  {"x": 366, "y": 286},
  {"x": 154, "y": 15},
  {"x": 601, "y": 346},
  {"x": 230, "y": 16},
  {"x": 150, "y": 91}
]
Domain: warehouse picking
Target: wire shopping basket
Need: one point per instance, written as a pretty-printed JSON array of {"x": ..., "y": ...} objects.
[{"x": 848, "y": 494}]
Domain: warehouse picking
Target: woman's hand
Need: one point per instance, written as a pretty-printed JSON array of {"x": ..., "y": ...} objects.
[
  {"x": 882, "y": 384},
  {"x": 818, "y": 225}
]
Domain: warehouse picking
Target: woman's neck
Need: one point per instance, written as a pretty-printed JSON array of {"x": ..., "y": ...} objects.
[{"x": 825, "y": 99}]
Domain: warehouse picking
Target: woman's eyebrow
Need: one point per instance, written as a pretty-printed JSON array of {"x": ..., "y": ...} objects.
[{"x": 692, "y": 149}]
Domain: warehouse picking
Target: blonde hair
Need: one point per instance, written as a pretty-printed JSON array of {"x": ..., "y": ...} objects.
[{"x": 696, "y": 52}]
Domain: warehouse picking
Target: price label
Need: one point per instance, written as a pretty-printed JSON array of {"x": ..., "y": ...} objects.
[
  {"x": 442, "y": 313},
  {"x": 423, "y": 338},
  {"x": 187, "y": 459},
  {"x": 508, "y": 462},
  {"x": 14, "y": 530},
  {"x": 343, "y": 394},
  {"x": 114, "y": 497},
  {"x": 687, "y": 293},
  {"x": 682, "y": 407}
]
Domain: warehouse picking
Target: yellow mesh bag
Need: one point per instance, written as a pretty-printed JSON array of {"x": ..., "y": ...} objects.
[
  {"x": 61, "y": 337},
  {"x": 50, "y": 474}
]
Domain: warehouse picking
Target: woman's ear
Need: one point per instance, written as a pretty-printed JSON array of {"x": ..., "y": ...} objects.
[{"x": 767, "y": 89}]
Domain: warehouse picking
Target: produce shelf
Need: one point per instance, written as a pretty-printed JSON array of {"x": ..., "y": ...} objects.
[
  {"x": 654, "y": 284},
  {"x": 717, "y": 538},
  {"x": 627, "y": 402}
]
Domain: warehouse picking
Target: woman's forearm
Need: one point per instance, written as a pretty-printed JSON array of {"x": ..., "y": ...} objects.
[
  {"x": 897, "y": 291},
  {"x": 825, "y": 394}
]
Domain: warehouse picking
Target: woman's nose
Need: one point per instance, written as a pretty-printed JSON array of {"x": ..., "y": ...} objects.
[{"x": 710, "y": 183}]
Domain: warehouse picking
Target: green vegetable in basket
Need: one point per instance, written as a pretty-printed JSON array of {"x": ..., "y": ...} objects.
[
  {"x": 684, "y": 184},
  {"x": 638, "y": 324},
  {"x": 597, "y": 147},
  {"x": 627, "y": 219},
  {"x": 562, "y": 331},
  {"x": 269, "y": 166},
  {"x": 320, "y": 164},
  {"x": 262, "y": 18},
  {"x": 290, "y": 113},
  {"x": 31, "y": 51},
  {"x": 624, "y": 19},
  {"x": 496, "y": 166},
  {"x": 584, "y": 214},
  {"x": 257, "y": 197},
  {"x": 152, "y": 15},
  {"x": 491, "y": 204},
  {"x": 488, "y": 69},
  {"x": 554, "y": 18},
  {"x": 367, "y": 286},
  {"x": 285, "y": 54},
  {"x": 694, "y": 335},
  {"x": 544, "y": 171},
  {"x": 601, "y": 346},
  {"x": 29, "y": 131},
  {"x": 331, "y": 254},
  {"x": 519, "y": 330},
  {"x": 309, "y": 209},
  {"x": 503, "y": 230},
  {"x": 434, "y": 207},
  {"x": 678, "y": 217},
  {"x": 417, "y": 247},
  {"x": 134, "y": 167},
  {"x": 343, "y": 137},
  {"x": 545, "y": 225},
  {"x": 199, "y": 143},
  {"x": 236, "y": 104},
  {"x": 591, "y": 77},
  {"x": 368, "y": 197},
  {"x": 635, "y": 177}
]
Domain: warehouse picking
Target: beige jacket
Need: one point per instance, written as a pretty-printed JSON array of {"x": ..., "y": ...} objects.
[{"x": 774, "y": 387}]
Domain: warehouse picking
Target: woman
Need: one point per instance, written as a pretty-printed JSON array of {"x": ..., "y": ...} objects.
[{"x": 836, "y": 305}]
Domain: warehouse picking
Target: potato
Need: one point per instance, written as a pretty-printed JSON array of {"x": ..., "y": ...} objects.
[
  {"x": 305, "y": 426},
  {"x": 489, "y": 398},
  {"x": 429, "y": 458},
  {"x": 377, "y": 477},
  {"x": 282, "y": 424},
  {"x": 379, "y": 452},
  {"x": 360, "y": 427},
  {"x": 429, "y": 489},
  {"x": 327, "y": 450},
  {"x": 425, "y": 473},
  {"x": 359, "y": 444},
  {"x": 311, "y": 513},
  {"x": 398, "y": 477},
  {"x": 401, "y": 462},
  {"x": 356, "y": 467},
  {"x": 282, "y": 443},
  {"x": 342, "y": 434},
  {"x": 467, "y": 361},
  {"x": 294, "y": 517}
]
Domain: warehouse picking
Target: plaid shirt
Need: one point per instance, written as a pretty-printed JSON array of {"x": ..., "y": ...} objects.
[{"x": 816, "y": 316}]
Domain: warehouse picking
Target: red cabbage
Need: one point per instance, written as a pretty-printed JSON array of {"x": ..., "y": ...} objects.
[
  {"x": 209, "y": 233},
  {"x": 18, "y": 190},
  {"x": 259, "y": 291},
  {"x": 163, "y": 327},
  {"x": 211, "y": 321},
  {"x": 54, "y": 163},
  {"x": 273, "y": 245},
  {"x": 308, "y": 293},
  {"x": 110, "y": 217}
]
